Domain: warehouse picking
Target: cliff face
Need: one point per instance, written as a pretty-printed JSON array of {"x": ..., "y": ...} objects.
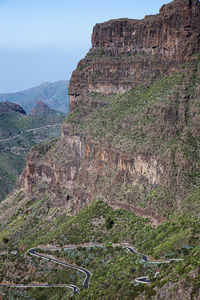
[
  {"x": 78, "y": 168},
  {"x": 139, "y": 150},
  {"x": 53, "y": 168},
  {"x": 127, "y": 52},
  {"x": 172, "y": 33}
]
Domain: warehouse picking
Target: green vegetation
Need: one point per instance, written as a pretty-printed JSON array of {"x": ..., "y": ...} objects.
[
  {"x": 41, "y": 271},
  {"x": 113, "y": 269},
  {"x": 113, "y": 123},
  {"x": 13, "y": 151},
  {"x": 149, "y": 120},
  {"x": 156, "y": 124},
  {"x": 81, "y": 67}
]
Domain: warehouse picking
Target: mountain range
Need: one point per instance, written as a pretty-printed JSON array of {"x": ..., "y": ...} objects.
[{"x": 54, "y": 94}]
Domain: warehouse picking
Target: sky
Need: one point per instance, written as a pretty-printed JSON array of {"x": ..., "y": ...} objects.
[{"x": 43, "y": 40}]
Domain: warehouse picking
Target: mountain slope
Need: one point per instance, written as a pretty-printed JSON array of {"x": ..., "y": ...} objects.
[
  {"x": 125, "y": 169},
  {"x": 53, "y": 94},
  {"x": 18, "y": 133}
]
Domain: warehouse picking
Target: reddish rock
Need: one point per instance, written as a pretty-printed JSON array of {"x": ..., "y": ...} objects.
[
  {"x": 128, "y": 52},
  {"x": 40, "y": 108}
]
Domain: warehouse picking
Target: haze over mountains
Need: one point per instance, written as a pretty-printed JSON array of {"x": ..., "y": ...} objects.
[{"x": 54, "y": 94}]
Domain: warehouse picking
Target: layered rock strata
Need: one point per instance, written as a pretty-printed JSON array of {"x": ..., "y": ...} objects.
[
  {"x": 128, "y": 52},
  {"x": 76, "y": 167}
]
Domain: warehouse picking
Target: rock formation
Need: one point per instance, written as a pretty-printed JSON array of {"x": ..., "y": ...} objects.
[
  {"x": 40, "y": 108},
  {"x": 128, "y": 52},
  {"x": 124, "y": 54}
]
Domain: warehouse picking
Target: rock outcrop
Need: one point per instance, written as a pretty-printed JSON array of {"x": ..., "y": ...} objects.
[
  {"x": 78, "y": 167},
  {"x": 128, "y": 52},
  {"x": 41, "y": 108},
  {"x": 124, "y": 54}
]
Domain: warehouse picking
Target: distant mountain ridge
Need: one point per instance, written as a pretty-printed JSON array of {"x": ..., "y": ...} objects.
[
  {"x": 54, "y": 94},
  {"x": 8, "y": 107}
]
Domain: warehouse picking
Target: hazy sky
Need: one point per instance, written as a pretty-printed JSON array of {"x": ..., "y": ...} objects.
[{"x": 43, "y": 40}]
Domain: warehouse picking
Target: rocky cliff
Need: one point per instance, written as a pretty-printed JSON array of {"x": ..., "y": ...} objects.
[
  {"x": 126, "y": 52},
  {"x": 135, "y": 148}
]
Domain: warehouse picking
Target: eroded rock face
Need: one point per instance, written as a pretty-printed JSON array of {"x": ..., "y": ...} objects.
[
  {"x": 131, "y": 166},
  {"x": 53, "y": 168},
  {"x": 172, "y": 33},
  {"x": 125, "y": 53},
  {"x": 128, "y": 52},
  {"x": 76, "y": 167}
]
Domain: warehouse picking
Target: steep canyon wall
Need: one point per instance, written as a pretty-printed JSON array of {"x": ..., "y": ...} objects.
[
  {"x": 128, "y": 52},
  {"x": 125, "y": 53}
]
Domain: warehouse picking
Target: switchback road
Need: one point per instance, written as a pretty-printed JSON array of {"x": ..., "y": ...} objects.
[
  {"x": 87, "y": 273},
  {"x": 144, "y": 279}
]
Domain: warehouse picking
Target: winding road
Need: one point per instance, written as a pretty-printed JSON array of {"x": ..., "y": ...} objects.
[
  {"x": 87, "y": 273},
  {"x": 145, "y": 279},
  {"x": 130, "y": 249},
  {"x": 32, "y": 251}
]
